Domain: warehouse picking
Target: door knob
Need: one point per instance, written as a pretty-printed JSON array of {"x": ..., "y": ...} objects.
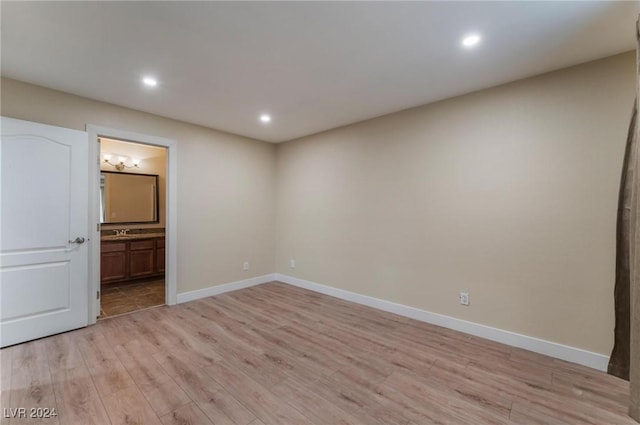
[{"x": 79, "y": 240}]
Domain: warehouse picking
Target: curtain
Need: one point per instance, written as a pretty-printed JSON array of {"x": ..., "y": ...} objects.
[
  {"x": 620, "y": 356},
  {"x": 634, "y": 281},
  {"x": 625, "y": 358}
]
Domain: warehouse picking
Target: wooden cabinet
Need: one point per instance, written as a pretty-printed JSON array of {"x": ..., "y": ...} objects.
[
  {"x": 131, "y": 259},
  {"x": 160, "y": 255},
  {"x": 113, "y": 262},
  {"x": 141, "y": 258}
]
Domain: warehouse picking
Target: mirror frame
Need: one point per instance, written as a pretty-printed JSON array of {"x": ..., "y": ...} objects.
[{"x": 157, "y": 220}]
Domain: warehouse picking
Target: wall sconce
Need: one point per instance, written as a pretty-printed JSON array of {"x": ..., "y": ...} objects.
[{"x": 121, "y": 163}]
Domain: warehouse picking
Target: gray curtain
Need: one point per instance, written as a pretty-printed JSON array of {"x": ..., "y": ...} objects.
[{"x": 625, "y": 358}]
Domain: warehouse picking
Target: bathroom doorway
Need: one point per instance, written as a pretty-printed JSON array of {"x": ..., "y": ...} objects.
[{"x": 133, "y": 206}]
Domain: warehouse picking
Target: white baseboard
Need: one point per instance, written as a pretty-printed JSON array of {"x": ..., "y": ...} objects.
[
  {"x": 559, "y": 351},
  {"x": 227, "y": 287}
]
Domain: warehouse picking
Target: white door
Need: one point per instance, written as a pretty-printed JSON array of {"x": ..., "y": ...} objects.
[{"x": 43, "y": 223}]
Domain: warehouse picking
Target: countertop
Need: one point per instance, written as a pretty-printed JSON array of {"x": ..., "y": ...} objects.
[{"x": 132, "y": 236}]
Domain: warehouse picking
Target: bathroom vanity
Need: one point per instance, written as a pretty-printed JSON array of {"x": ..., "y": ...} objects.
[{"x": 131, "y": 256}]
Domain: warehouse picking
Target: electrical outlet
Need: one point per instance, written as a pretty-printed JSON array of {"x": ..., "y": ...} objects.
[
  {"x": 245, "y": 266},
  {"x": 292, "y": 263},
  {"x": 464, "y": 298}
]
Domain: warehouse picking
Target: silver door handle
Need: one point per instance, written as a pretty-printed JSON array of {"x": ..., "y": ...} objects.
[{"x": 78, "y": 240}]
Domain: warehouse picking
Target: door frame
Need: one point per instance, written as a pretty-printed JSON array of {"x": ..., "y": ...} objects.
[{"x": 171, "y": 221}]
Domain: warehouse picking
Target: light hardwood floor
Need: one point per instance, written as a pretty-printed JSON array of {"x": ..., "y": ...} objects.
[{"x": 276, "y": 354}]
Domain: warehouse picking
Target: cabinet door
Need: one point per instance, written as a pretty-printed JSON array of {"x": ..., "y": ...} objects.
[
  {"x": 141, "y": 258},
  {"x": 113, "y": 262},
  {"x": 141, "y": 263},
  {"x": 160, "y": 253}
]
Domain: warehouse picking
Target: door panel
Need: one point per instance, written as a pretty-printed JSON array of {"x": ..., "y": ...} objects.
[
  {"x": 43, "y": 207},
  {"x": 35, "y": 194},
  {"x": 47, "y": 280}
]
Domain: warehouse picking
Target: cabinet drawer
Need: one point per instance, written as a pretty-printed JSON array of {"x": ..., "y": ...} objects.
[
  {"x": 113, "y": 246},
  {"x": 138, "y": 245},
  {"x": 160, "y": 243}
]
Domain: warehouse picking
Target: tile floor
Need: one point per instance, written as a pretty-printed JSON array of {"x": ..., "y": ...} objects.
[{"x": 120, "y": 298}]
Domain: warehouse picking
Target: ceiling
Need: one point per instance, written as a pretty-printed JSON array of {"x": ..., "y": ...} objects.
[{"x": 311, "y": 65}]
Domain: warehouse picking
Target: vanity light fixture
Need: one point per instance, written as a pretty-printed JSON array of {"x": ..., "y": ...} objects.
[{"x": 121, "y": 163}]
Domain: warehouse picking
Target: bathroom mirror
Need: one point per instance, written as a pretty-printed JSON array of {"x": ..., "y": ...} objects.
[{"x": 128, "y": 198}]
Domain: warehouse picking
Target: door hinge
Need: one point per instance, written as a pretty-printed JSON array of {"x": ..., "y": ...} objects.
[
  {"x": 97, "y": 295},
  {"x": 97, "y": 227}
]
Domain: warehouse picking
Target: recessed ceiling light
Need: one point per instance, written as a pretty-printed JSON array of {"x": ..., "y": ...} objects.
[
  {"x": 471, "y": 40},
  {"x": 265, "y": 118},
  {"x": 149, "y": 81}
]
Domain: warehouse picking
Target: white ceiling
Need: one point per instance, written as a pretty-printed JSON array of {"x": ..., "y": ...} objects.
[{"x": 312, "y": 65}]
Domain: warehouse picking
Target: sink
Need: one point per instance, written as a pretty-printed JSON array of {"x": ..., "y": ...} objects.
[{"x": 131, "y": 236}]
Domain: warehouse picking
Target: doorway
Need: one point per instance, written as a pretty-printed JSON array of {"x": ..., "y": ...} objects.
[
  {"x": 132, "y": 226},
  {"x": 133, "y": 256}
]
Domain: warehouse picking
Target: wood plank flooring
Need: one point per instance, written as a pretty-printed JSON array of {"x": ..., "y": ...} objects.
[{"x": 276, "y": 354}]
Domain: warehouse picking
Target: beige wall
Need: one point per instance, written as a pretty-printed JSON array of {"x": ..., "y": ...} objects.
[
  {"x": 226, "y": 187},
  {"x": 154, "y": 161},
  {"x": 509, "y": 193}
]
